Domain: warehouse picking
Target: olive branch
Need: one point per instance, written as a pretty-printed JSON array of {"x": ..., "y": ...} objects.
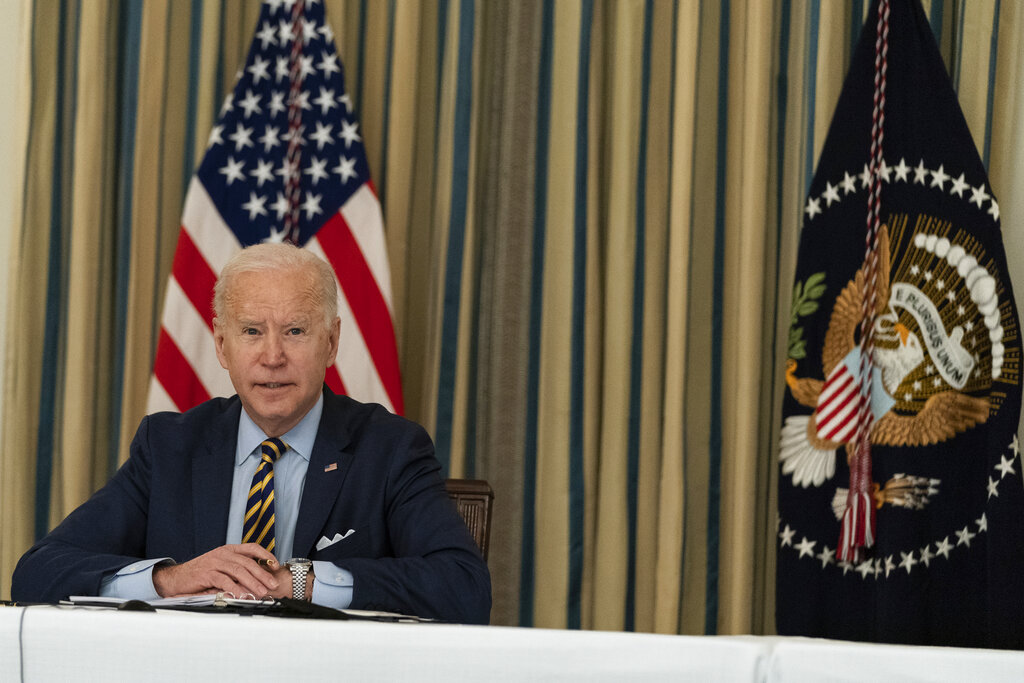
[{"x": 805, "y": 302}]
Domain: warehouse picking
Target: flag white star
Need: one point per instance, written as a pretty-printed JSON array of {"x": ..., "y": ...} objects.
[
  {"x": 964, "y": 537},
  {"x": 993, "y": 488},
  {"x": 251, "y": 103},
  {"x": 266, "y": 36},
  {"x": 959, "y": 186},
  {"x": 831, "y": 193},
  {"x": 939, "y": 178},
  {"x": 787, "y": 536},
  {"x": 264, "y": 172},
  {"x": 280, "y": 69},
  {"x": 1005, "y": 466},
  {"x": 327, "y": 33},
  {"x": 317, "y": 169},
  {"x": 226, "y": 107},
  {"x": 883, "y": 171},
  {"x": 298, "y": 134},
  {"x": 902, "y": 170},
  {"x": 346, "y": 168},
  {"x": 288, "y": 169},
  {"x": 277, "y": 104},
  {"x": 347, "y": 101},
  {"x": 280, "y": 206},
  {"x": 806, "y": 547},
  {"x": 849, "y": 183},
  {"x": 322, "y": 136},
  {"x": 890, "y": 565},
  {"x": 276, "y": 236},
  {"x": 926, "y": 555},
  {"x": 215, "y": 136},
  {"x": 827, "y": 556},
  {"x": 241, "y": 137},
  {"x": 328, "y": 64},
  {"x": 908, "y": 560},
  {"x": 285, "y": 32},
  {"x": 259, "y": 69},
  {"x": 269, "y": 138},
  {"x": 982, "y": 523},
  {"x": 864, "y": 568},
  {"x": 325, "y": 100},
  {"x": 312, "y": 205},
  {"x": 302, "y": 99},
  {"x": 348, "y": 133},
  {"x": 993, "y": 210},
  {"x": 306, "y": 67},
  {"x": 920, "y": 173},
  {"x": 943, "y": 547},
  {"x": 1015, "y": 446},
  {"x": 813, "y": 207},
  {"x": 233, "y": 170},
  {"x": 308, "y": 31},
  {"x": 255, "y": 206},
  {"x": 978, "y": 195},
  {"x": 865, "y": 178}
]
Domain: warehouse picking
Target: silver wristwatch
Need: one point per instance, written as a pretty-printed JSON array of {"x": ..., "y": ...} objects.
[{"x": 300, "y": 568}]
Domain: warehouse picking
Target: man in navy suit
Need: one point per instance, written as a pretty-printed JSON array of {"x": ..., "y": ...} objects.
[{"x": 356, "y": 490}]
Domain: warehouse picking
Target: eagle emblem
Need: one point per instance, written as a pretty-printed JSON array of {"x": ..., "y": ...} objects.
[{"x": 938, "y": 348}]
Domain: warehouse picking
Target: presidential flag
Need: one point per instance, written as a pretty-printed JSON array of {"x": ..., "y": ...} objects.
[
  {"x": 285, "y": 161},
  {"x": 943, "y": 554}
]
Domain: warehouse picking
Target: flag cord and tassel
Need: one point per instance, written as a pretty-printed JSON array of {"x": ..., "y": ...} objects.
[
  {"x": 857, "y": 531},
  {"x": 294, "y": 159}
]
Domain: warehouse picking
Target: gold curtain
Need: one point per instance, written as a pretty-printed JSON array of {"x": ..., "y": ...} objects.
[{"x": 592, "y": 209}]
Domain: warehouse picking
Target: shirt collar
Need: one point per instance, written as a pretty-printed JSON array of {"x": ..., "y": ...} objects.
[{"x": 299, "y": 438}]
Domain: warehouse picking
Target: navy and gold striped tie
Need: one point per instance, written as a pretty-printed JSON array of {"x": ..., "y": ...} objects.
[{"x": 258, "y": 526}]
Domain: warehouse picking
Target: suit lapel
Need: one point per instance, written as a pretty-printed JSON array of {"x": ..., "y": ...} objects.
[
  {"x": 329, "y": 464},
  {"x": 212, "y": 474}
]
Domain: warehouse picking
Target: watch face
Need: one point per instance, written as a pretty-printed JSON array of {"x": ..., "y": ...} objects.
[{"x": 300, "y": 561}]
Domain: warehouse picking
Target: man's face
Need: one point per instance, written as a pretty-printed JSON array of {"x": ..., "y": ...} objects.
[{"x": 275, "y": 346}]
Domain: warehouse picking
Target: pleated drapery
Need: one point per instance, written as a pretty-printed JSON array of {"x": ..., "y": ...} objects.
[{"x": 592, "y": 211}]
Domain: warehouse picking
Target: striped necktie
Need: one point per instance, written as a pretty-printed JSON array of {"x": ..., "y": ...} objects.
[{"x": 258, "y": 526}]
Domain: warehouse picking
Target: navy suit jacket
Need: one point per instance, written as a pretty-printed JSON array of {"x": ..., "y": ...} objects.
[{"x": 370, "y": 471}]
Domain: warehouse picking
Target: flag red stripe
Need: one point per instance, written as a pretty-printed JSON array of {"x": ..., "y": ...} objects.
[
  {"x": 194, "y": 276},
  {"x": 366, "y": 301},
  {"x": 174, "y": 372},
  {"x": 334, "y": 381}
]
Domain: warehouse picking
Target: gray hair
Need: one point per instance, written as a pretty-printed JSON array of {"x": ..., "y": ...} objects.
[{"x": 280, "y": 256}]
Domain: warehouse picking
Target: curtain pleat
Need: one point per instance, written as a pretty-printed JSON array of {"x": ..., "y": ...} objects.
[{"x": 592, "y": 210}]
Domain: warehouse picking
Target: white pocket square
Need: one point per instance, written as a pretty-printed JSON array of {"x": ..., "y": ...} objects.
[{"x": 325, "y": 542}]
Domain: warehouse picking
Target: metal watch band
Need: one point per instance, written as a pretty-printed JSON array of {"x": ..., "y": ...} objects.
[{"x": 299, "y": 572}]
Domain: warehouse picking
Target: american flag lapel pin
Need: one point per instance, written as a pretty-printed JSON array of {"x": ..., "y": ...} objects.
[{"x": 330, "y": 468}]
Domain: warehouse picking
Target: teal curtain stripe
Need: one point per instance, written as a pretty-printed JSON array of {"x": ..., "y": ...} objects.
[
  {"x": 382, "y": 178},
  {"x": 456, "y": 236},
  {"x": 810, "y": 90},
  {"x": 195, "y": 37},
  {"x": 936, "y": 20},
  {"x": 361, "y": 51},
  {"x": 993, "y": 56},
  {"x": 130, "y": 31},
  {"x": 717, "y": 306},
  {"x": 856, "y": 21},
  {"x": 220, "y": 91},
  {"x": 540, "y": 200},
  {"x": 577, "y": 486},
  {"x": 56, "y": 267},
  {"x": 637, "y": 350},
  {"x": 957, "y": 53}
]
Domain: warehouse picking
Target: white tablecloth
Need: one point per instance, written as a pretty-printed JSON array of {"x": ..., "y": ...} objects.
[
  {"x": 46, "y": 643},
  {"x": 87, "y": 644}
]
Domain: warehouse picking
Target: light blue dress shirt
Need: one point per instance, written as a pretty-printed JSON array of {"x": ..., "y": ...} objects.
[{"x": 332, "y": 586}]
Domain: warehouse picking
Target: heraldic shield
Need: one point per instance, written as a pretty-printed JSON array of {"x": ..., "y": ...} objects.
[{"x": 947, "y": 563}]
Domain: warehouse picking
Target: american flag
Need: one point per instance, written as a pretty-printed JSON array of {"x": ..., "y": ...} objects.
[{"x": 290, "y": 94}]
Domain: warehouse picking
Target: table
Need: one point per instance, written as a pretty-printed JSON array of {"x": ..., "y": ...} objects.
[{"x": 47, "y": 643}]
